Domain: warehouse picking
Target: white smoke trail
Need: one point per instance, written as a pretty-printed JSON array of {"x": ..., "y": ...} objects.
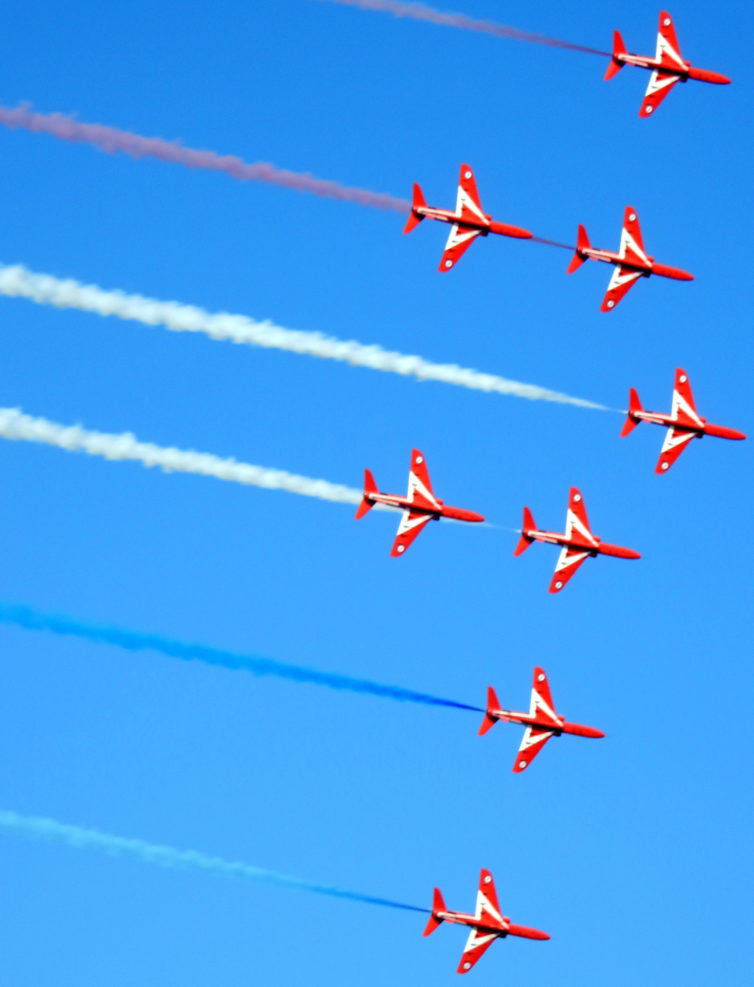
[
  {"x": 35, "y": 827},
  {"x": 17, "y": 281},
  {"x": 16, "y": 425}
]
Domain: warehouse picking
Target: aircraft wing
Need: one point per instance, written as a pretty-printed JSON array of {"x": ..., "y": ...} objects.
[
  {"x": 419, "y": 484},
  {"x": 631, "y": 241},
  {"x": 684, "y": 407},
  {"x": 577, "y": 521},
  {"x": 411, "y": 524},
  {"x": 668, "y": 52},
  {"x": 660, "y": 84},
  {"x": 468, "y": 203},
  {"x": 569, "y": 561},
  {"x": 541, "y": 698},
  {"x": 622, "y": 280},
  {"x": 476, "y": 946},
  {"x": 533, "y": 741},
  {"x": 458, "y": 243},
  {"x": 487, "y": 911},
  {"x": 675, "y": 442}
]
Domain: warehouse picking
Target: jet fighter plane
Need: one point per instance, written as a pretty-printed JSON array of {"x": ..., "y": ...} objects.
[
  {"x": 467, "y": 222},
  {"x": 487, "y": 923},
  {"x": 419, "y": 505},
  {"x": 578, "y": 541},
  {"x": 683, "y": 423},
  {"x": 631, "y": 262},
  {"x": 542, "y": 722},
  {"x": 667, "y": 67}
]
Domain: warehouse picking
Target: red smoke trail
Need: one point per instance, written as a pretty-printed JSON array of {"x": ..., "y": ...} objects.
[
  {"x": 111, "y": 140},
  {"x": 551, "y": 243},
  {"x": 421, "y": 12}
]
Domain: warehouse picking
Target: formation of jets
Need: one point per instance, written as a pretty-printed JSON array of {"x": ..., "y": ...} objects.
[{"x": 630, "y": 262}]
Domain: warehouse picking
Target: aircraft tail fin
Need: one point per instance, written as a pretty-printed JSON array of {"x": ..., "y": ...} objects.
[
  {"x": 370, "y": 487},
  {"x": 616, "y": 64},
  {"x": 493, "y": 703},
  {"x": 438, "y": 905},
  {"x": 582, "y": 244},
  {"x": 527, "y": 524},
  {"x": 634, "y": 405},
  {"x": 417, "y": 203}
]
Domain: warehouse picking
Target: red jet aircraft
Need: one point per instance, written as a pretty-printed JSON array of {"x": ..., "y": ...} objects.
[
  {"x": 578, "y": 541},
  {"x": 542, "y": 722},
  {"x": 487, "y": 923},
  {"x": 631, "y": 262},
  {"x": 468, "y": 221},
  {"x": 667, "y": 67},
  {"x": 419, "y": 505},
  {"x": 683, "y": 422}
]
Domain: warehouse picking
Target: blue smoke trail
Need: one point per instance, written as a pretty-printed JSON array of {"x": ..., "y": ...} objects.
[
  {"x": 36, "y": 827},
  {"x": 35, "y": 620}
]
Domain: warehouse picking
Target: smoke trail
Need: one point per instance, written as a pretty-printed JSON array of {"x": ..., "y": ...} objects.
[
  {"x": 16, "y": 425},
  {"x": 552, "y": 243},
  {"x": 30, "y": 619},
  {"x": 422, "y": 12},
  {"x": 83, "y": 838},
  {"x": 112, "y": 140},
  {"x": 18, "y": 282}
]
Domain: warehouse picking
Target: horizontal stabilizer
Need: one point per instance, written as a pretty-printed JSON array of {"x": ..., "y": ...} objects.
[
  {"x": 370, "y": 487},
  {"x": 438, "y": 905},
  {"x": 582, "y": 243},
  {"x": 524, "y": 541},
  {"x": 615, "y": 65},
  {"x": 493, "y": 703},
  {"x": 418, "y": 202},
  {"x": 634, "y": 405}
]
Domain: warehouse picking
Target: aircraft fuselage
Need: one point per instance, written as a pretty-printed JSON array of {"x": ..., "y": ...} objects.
[
  {"x": 610, "y": 257},
  {"x": 707, "y": 428},
  {"x": 508, "y": 928},
  {"x": 597, "y": 547},
  {"x": 540, "y": 723},
  {"x": 483, "y": 227},
  {"x": 657, "y": 65},
  {"x": 443, "y": 510}
]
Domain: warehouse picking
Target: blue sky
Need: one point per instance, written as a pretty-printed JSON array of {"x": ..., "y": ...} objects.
[{"x": 634, "y": 851}]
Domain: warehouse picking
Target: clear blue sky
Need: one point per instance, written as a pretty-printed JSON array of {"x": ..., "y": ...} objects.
[{"x": 634, "y": 851}]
